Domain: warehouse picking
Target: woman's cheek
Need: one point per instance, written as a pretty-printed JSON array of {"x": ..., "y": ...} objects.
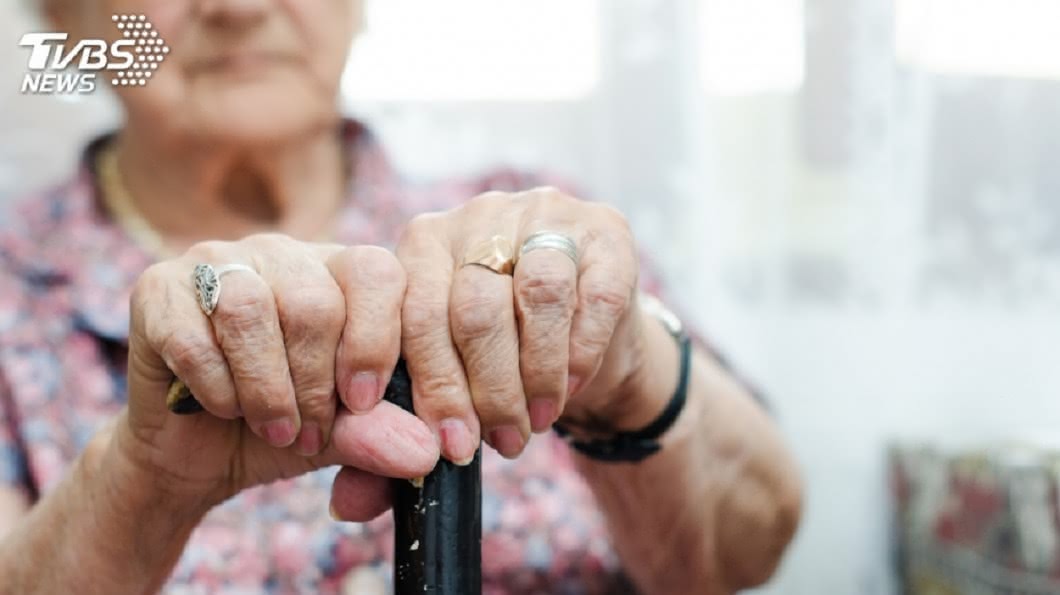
[
  {"x": 326, "y": 28},
  {"x": 169, "y": 17}
]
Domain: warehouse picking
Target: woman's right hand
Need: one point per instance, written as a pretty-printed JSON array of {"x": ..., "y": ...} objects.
[{"x": 315, "y": 321}]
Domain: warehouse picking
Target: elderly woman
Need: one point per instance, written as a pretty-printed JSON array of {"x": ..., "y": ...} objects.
[{"x": 234, "y": 156}]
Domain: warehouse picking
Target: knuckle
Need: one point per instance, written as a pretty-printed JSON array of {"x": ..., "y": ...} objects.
[
  {"x": 371, "y": 337},
  {"x": 208, "y": 250},
  {"x": 311, "y": 308},
  {"x": 422, "y": 318},
  {"x": 487, "y": 199},
  {"x": 500, "y": 408},
  {"x": 317, "y": 401},
  {"x": 420, "y": 226},
  {"x": 421, "y": 237},
  {"x": 607, "y": 300},
  {"x": 546, "y": 286},
  {"x": 492, "y": 370},
  {"x": 441, "y": 392},
  {"x": 376, "y": 266},
  {"x": 188, "y": 352},
  {"x": 587, "y": 346},
  {"x": 263, "y": 387},
  {"x": 243, "y": 311},
  {"x": 603, "y": 304},
  {"x": 268, "y": 239},
  {"x": 611, "y": 215},
  {"x": 274, "y": 253},
  {"x": 149, "y": 286},
  {"x": 155, "y": 275},
  {"x": 550, "y": 196},
  {"x": 310, "y": 297},
  {"x": 543, "y": 357},
  {"x": 586, "y": 353},
  {"x": 615, "y": 228},
  {"x": 440, "y": 387},
  {"x": 475, "y": 317}
]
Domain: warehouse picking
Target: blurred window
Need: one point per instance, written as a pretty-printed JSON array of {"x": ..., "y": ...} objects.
[
  {"x": 476, "y": 50},
  {"x": 751, "y": 46},
  {"x": 1015, "y": 38}
]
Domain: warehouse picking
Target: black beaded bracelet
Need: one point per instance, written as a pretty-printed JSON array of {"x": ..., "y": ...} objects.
[{"x": 635, "y": 446}]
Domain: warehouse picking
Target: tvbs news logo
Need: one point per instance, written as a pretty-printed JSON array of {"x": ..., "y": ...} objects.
[{"x": 55, "y": 69}]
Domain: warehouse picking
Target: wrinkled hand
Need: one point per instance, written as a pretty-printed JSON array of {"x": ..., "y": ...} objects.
[
  {"x": 314, "y": 321},
  {"x": 500, "y": 356}
]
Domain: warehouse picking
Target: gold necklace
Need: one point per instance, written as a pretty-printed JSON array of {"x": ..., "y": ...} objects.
[{"x": 120, "y": 204}]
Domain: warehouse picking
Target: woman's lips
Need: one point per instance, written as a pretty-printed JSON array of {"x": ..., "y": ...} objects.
[{"x": 240, "y": 62}]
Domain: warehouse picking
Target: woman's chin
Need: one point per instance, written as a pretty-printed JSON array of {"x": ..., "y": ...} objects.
[
  {"x": 255, "y": 129},
  {"x": 256, "y": 114}
]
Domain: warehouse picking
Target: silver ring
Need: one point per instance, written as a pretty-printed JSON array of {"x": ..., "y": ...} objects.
[
  {"x": 550, "y": 240},
  {"x": 207, "y": 280}
]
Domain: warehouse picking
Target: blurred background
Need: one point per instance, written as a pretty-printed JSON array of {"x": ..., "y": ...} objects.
[{"x": 857, "y": 200}]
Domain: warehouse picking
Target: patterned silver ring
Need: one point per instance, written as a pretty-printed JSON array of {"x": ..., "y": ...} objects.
[
  {"x": 207, "y": 280},
  {"x": 550, "y": 240}
]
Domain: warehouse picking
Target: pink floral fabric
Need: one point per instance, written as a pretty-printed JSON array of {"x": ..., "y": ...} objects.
[{"x": 65, "y": 276}]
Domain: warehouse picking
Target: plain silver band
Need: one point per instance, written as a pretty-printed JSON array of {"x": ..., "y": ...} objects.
[
  {"x": 207, "y": 277},
  {"x": 550, "y": 240},
  {"x": 231, "y": 268}
]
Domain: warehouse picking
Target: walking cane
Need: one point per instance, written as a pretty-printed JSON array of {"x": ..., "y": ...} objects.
[{"x": 437, "y": 520}]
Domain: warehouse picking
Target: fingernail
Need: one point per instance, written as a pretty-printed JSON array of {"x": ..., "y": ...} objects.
[
  {"x": 334, "y": 513},
  {"x": 279, "y": 432},
  {"x": 542, "y": 414},
  {"x": 574, "y": 384},
  {"x": 310, "y": 439},
  {"x": 457, "y": 444},
  {"x": 507, "y": 440},
  {"x": 362, "y": 392}
]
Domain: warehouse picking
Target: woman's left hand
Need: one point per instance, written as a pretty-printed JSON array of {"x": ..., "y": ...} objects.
[{"x": 498, "y": 355}]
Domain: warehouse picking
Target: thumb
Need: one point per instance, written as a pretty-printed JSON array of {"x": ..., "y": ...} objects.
[
  {"x": 359, "y": 496},
  {"x": 387, "y": 441},
  {"x": 147, "y": 374}
]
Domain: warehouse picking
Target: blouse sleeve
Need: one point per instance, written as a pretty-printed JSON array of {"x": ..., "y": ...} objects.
[
  {"x": 13, "y": 470},
  {"x": 13, "y": 467}
]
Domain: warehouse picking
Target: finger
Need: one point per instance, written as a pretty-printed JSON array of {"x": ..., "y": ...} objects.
[
  {"x": 373, "y": 283},
  {"x": 440, "y": 391},
  {"x": 386, "y": 441},
  {"x": 482, "y": 317},
  {"x": 248, "y": 330},
  {"x": 545, "y": 286},
  {"x": 606, "y": 284},
  {"x": 312, "y": 312},
  {"x": 170, "y": 336},
  {"x": 358, "y": 496}
]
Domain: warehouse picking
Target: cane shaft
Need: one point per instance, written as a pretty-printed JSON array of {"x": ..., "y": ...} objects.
[{"x": 437, "y": 524}]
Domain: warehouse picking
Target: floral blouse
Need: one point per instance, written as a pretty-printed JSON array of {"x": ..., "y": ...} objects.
[{"x": 65, "y": 276}]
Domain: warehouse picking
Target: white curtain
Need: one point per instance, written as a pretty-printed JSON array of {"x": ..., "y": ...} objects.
[{"x": 856, "y": 200}]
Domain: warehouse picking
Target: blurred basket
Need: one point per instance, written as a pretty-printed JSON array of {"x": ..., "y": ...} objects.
[{"x": 976, "y": 523}]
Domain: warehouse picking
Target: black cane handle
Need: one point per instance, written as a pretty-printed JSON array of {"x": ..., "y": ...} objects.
[{"x": 437, "y": 521}]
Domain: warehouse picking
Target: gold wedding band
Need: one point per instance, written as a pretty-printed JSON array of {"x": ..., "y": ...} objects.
[{"x": 496, "y": 254}]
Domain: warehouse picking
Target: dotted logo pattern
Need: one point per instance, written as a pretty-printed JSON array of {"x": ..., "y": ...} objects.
[{"x": 150, "y": 50}]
